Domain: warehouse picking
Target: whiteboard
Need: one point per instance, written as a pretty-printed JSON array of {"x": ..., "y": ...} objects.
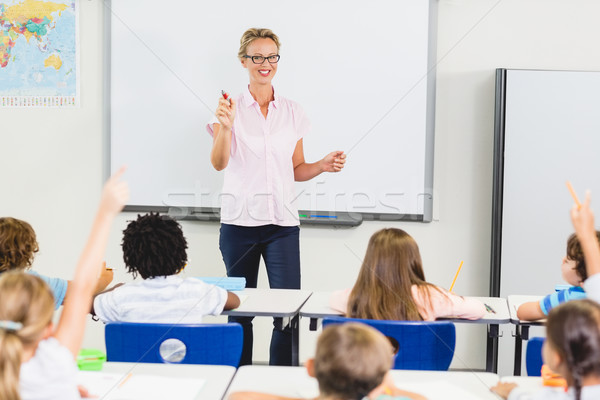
[
  {"x": 363, "y": 72},
  {"x": 551, "y": 134}
]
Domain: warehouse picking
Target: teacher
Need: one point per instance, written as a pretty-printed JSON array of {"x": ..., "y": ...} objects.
[{"x": 257, "y": 140}]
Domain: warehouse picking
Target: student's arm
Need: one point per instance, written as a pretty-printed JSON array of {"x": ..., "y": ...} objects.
[
  {"x": 303, "y": 171},
  {"x": 71, "y": 325},
  {"x": 583, "y": 222},
  {"x": 530, "y": 311},
  {"x": 96, "y": 295},
  {"x": 106, "y": 277},
  {"x": 219, "y": 155},
  {"x": 233, "y": 301},
  {"x": 503, "y": 389}
]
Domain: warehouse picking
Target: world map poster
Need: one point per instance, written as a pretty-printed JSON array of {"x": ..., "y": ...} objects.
[{"x": 39, "y": 53}]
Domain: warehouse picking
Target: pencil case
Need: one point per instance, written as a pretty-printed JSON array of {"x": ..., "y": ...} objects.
[
  {"x": 226, "y": 282},
  {"x": 90, "y": 360}
]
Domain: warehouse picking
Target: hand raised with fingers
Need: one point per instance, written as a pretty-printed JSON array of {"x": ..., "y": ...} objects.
[
  {"x": 583, "y": 218},
  {"x": 115, "y": 194}
]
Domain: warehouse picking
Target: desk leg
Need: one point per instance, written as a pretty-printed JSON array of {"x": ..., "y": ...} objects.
[
  {"x": 313, "y": 324},
  {"x": 521, "y": 333},
  {"x": 491, "y": 358},
  {"x": 295, "y": 324}
]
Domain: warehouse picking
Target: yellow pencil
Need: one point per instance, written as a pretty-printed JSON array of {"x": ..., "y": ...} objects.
[
  {"x": 573, "y": 194},
  {"x": 125, "y": 380},
  {"x": 456, "y": 276}
]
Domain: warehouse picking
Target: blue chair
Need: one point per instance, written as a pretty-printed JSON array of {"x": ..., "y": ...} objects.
[
  {"x": 418, "y": 344},
  {"x": 216, "y": 344},
  {"x": 533, "y": 356}
]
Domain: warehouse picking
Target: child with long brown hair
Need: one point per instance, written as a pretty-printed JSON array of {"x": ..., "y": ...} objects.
[
  {"x": 36, "y": 360},
  {"x": 391, "y": 285}
]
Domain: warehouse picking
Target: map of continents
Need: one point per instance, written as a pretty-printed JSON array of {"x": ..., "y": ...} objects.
[{"x": 38, "y": 49}]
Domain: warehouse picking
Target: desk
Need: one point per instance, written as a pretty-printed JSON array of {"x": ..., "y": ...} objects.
[
  {"x": 216, "y": 377},
  {"x": 521, "y": 327},
  {"x": 295, "y": 382},
  {"x": 280, "y": 303},
  {"x": 317, "y": 307}
]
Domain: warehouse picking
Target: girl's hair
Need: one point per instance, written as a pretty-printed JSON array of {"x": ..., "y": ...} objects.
[
  {"x": 383, "y": 289},
  {"x": 154, "y": 245},
  {"x": 575, "y": 253},
  {"x": 573, "y": 331},
  {"x": 18, "y": 244},
  {"x": 351, "y": 360},
  {"x": 251, "y": 35},
  {"x": 24, "y": 299}
]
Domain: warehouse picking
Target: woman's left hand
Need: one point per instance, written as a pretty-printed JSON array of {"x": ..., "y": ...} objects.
[{"x": 333, "y": 162}]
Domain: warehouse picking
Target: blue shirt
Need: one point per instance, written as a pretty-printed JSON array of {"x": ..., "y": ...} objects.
[
  {"x": 557, "y": 298},
  {"x": 58, "y": 287}
]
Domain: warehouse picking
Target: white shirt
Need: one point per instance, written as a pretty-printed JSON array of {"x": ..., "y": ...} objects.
[
  {"x": 258, "y": 187},
  {"x": 51, "y": 374},
  {"x": 592, "y": 287},
  {"x": 169, "y": 299}
]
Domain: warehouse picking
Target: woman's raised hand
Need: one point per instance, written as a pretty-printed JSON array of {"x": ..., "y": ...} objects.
[{"x": 226, "y": 112}]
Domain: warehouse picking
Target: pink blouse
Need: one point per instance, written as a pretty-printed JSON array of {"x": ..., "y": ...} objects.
[
  {"x": 443, "y": 305},
  {"x": 258, "y": 186}
]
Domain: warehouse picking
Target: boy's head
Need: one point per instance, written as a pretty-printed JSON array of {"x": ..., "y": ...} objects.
[
  {"x": 18, "y": 244},
  {"x": 351, "y": 360},
  {"x": 574, "y": 261},
  {"x": 154, "y": 245}
]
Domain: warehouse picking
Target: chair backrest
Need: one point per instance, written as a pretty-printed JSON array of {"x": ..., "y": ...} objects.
[
  {"x": 533, "y": 356},
  {"x": 421, "y": 345},
  {"x": 217, "y": 344}
]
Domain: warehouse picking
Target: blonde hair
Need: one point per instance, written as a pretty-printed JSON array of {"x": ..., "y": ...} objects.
[
  {"x": 18, "y": 244},
  {"x": 27, "y": 300},
  {"x": 251, "y": 35},
  {"x": 383, "y": 289},
  {"x": 351, "y": 360}
]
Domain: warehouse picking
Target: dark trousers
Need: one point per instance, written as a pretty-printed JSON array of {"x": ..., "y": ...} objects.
[{"x": 242, "y": 247}]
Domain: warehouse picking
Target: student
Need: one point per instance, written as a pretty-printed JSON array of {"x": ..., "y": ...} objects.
[
  {"x": 352, "y": 361},
  {"x": 583, "y": 222},
  {"x": 391, "y": 285},
  {"x": 154, "y": 247},
  {"x": 573, "y": 272},
  {"x": 36, "y": 360},
  {"x": 18, "y": 245},
  {"x": 571, "y": 349}
]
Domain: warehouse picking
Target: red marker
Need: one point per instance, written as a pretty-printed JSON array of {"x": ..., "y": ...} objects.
[{"x": 225, "y": 96}]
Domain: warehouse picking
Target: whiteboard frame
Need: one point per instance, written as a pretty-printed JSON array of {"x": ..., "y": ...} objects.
[{"x": 341, "y": 218}]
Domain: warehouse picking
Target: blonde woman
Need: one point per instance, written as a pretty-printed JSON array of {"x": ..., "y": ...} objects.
[
  {"x": 257, "y": 141},
  {"x": 37, "y": 361},
  {"x": 391, "y": 285}
]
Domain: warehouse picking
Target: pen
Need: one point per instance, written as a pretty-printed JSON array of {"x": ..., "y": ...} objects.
[
  {"x": 489, "y": 308},
  {"x": 125, "y": 380},
  {"x": 574, "y": 195}
]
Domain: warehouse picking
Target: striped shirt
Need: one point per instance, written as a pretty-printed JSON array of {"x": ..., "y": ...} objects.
[{"x": 557, "y": 298}]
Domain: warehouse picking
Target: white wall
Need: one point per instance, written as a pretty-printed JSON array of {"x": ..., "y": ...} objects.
[{"x": 51, "y": 160}]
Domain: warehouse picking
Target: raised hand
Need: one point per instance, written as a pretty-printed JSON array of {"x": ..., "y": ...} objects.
[
  {"x": 115, "y": 194},
  {"x": 583, "y": 218}
]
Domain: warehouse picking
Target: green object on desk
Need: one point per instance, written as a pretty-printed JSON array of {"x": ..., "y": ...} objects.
[{"x": 90, "y": 360}]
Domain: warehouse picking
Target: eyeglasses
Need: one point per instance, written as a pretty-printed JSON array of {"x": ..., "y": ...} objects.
[{"x": 260, "y": 59}]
